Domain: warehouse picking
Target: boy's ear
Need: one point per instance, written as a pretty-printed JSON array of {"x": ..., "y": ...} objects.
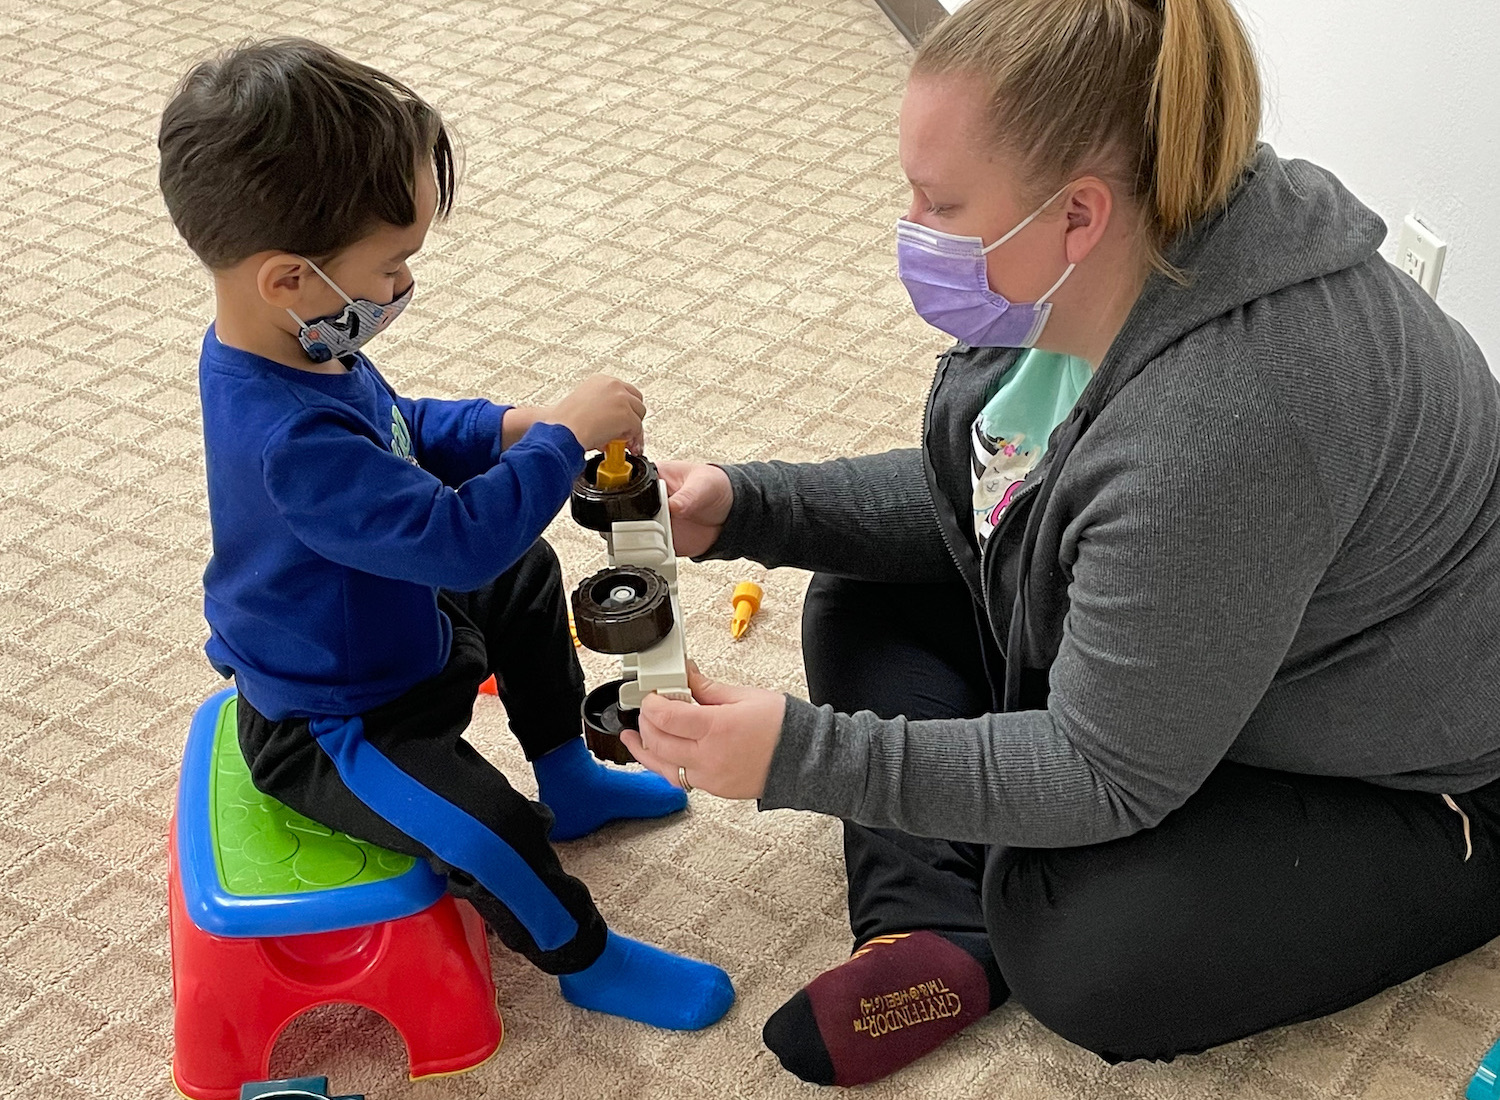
[{"x": 282, "y": 279}]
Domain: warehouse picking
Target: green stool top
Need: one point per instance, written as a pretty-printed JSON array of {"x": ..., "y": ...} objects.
[{"x": 263, "y": 847}]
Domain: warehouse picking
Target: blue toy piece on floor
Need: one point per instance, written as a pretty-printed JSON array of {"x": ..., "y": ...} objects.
[
  {"x": 295, "y": 1088},
  {"x": 1485, "y": 1085}
]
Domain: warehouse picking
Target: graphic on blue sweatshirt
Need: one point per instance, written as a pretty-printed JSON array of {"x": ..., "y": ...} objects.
[
  {"x": 339, "y": 509},
  {"x": 401, "y": 436}
]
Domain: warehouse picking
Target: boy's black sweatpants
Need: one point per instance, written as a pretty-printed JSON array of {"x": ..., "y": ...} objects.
[
  {"x": 1266, "y": 899},
  {"x": 517, "y": 628}
]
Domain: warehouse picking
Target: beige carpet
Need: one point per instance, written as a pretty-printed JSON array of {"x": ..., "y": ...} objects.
[{"x": 695, "y": 195}]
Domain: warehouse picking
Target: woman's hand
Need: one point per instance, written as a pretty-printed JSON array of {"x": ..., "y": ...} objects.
[
  {"x": 698, "y": 497},
  {"x": 725, "y": 745}
]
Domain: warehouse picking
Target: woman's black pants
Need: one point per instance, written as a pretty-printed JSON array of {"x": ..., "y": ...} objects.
[{"x": 1266, "y": 899}]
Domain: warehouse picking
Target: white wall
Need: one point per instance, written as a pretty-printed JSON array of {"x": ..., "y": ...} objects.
[{"x": 1401, "y": 100}]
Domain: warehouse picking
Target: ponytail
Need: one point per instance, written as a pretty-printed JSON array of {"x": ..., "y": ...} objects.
[
  {"x": 1205, "y": 111},
  {"x": 1162, "y": 97}
]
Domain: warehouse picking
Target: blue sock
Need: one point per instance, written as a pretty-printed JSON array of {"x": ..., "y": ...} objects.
[
  {"x": 584, "y": 793},
  {"x": 645, "y": 983}
]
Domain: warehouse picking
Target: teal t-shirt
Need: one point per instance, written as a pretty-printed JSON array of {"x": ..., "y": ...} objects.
[{"x": 1010, "y": 433}]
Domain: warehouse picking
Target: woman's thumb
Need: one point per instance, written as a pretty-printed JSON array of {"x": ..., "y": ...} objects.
[{"x": 711, "y": 692}]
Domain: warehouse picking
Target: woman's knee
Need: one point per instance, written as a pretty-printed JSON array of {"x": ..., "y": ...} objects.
[
  {"x": 892, "y": 648},
  {"x": 1091, "y": 970},
  {"x": 833, "y": 626}
]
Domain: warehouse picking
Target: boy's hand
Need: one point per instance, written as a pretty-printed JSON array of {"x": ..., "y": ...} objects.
[
  {"x": 601, "y": 409},
  {"x": 699, "y": 497}
]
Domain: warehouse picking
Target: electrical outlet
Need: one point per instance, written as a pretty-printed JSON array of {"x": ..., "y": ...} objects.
[{"x": 1420, "y": 254}]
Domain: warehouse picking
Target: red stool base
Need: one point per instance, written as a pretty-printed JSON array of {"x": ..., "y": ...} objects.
[{"x": 428, "y": 974}]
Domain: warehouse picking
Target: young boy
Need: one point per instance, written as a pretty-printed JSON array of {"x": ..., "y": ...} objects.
[{"x": 376, "y": 557}]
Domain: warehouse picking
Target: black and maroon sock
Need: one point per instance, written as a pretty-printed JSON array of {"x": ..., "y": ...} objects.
[{"x": 899, "y": 996}]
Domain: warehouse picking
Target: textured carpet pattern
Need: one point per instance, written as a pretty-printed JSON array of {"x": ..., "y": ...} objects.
[{"x": 697, "y": 196}]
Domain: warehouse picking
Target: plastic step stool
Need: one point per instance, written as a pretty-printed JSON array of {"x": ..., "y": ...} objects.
[
  {"x": 1485, "y": 1084},
  {"x": 272, "y": 914}
]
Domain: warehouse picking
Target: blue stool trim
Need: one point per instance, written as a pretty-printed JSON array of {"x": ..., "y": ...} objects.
[
  {"x": 1485, "y": 1084},
  {"x": 214, "y": 909}
]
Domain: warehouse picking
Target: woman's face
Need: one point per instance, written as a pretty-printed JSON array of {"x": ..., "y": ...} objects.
[{"x": 961, "y": 184}]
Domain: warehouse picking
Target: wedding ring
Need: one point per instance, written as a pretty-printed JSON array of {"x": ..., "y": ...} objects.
[{"x": 682, "y": 779}]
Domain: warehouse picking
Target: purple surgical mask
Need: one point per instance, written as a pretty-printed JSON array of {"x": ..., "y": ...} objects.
[{"x": 946, "y": 278}]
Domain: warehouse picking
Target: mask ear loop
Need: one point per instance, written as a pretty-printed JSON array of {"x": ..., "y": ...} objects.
[
  {"x": 339, "y": 290},
  {"x": 1066, "y": 272},
  {"x": 1025, "y": 222},
  {"x": 1032, "y": 217}
]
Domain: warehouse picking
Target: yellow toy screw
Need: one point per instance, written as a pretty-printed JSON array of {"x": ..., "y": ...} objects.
[
  {"x": 746, "y": 601},
  {"x": 614, "y": 470}
]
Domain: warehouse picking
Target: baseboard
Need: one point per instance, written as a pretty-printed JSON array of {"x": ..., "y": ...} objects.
[{"x": 913, "y": 17}]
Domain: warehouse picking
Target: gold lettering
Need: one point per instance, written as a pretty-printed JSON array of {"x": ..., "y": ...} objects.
[{"x": 903, "y": 1008}]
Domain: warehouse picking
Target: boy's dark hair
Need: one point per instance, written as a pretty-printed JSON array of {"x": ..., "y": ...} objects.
[{"x": 289, "y": 145}]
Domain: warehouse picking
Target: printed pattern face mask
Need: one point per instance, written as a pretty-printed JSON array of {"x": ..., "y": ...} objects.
[
  {"x": 345, "y": 332},
  {"x": 950, "y": 289}
]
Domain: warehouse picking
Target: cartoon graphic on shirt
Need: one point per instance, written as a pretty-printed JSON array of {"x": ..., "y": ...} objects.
[
  {"x": 401, "y": 436},
  {"x": 1000, "y": 466},
  {"x": 1010, "y": 434}
]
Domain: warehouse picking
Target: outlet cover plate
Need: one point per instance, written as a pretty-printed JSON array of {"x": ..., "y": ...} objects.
[{"x": 1420, "y": 254}]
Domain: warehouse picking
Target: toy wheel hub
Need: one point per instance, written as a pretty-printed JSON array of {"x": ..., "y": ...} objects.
[
  {"x": 603, "y": 720},
  {"x": 620, "y": 597},
  {"x": 599, "y": 509},
  {"x": 623, "y": 609}
]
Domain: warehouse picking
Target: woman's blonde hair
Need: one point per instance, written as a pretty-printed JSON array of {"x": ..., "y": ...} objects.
[{"x": 1159, "y": 96}]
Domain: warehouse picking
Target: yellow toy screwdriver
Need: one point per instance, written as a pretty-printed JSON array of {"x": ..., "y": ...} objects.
[
  {"x": 746, "y": 600},
  {"x": 614, "y": 470}
]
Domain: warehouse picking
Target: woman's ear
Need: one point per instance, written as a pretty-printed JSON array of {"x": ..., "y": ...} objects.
[
  {"x": 282, "y": 280},
  {"x": 1090, "y": 203}
]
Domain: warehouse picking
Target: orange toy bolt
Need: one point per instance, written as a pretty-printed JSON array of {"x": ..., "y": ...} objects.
[
  {"x": 614, "y": 471},
  {"x": 746, "y": 600}
]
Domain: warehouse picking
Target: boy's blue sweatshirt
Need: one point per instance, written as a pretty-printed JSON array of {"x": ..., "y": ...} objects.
[{"x": 339, "y": 508}]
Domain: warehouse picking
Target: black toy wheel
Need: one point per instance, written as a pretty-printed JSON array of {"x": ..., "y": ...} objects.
[
  {"x": 603, "y": 720},
  {"x": 596, "y": 508},
  {"x": 623, "y": 609}
]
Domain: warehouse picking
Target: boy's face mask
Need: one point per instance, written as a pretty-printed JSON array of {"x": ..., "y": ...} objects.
[{"x": 345, "y": 332}]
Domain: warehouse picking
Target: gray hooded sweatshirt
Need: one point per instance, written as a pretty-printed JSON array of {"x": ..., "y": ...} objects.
[{"x": 1272, "y": 539}]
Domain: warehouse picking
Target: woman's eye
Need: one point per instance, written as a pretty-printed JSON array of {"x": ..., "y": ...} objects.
[{"x": 934, "y": 208}]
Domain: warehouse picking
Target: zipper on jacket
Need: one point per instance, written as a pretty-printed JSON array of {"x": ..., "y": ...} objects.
[
  {"x": 934, "y": 491},
  {"x": 1025, "y": 493}
]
